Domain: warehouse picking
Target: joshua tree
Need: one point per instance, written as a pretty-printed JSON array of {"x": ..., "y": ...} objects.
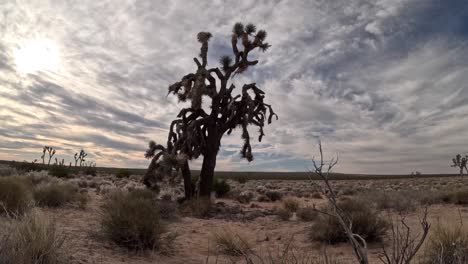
[
  {"x": 80, "y": 157},
  {"x": 50, "y": 151},
  {"x": 460, "y": 162},
  {"x": 196, "y": 132}
]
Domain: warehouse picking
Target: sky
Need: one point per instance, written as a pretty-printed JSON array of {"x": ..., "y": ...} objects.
[{"x": 382, "y": 83}]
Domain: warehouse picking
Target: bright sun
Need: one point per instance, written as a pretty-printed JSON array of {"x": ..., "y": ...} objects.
[{"x": 37, "y": 55}]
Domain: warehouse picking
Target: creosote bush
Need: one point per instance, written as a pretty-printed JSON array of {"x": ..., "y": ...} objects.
[
  {"x": 231, "y": 242},
  {"x": 221, "y": 187},
  {"x": 283, "y": 213},
  {"x": 59, "y": 171},
  {"x": 132, "y": 221},
  {"x": 366, "y": 222},
  {"x": 15, "y": 196},
  {"x": 56, "y": 195},
  {"x": 448, "y": 244},
  {"x": 123, "y": 173},
  {"x": 32, "y": 239}
]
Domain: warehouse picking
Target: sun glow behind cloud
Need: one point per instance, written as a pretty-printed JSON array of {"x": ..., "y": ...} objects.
[{"x": 37, "y": 55}]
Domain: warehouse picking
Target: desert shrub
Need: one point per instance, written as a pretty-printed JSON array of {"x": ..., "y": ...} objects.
[
  {"x": 307, "y": 214},
  {"x": 33, "y": 239},
  {"x": 200, "y": 208},
  {"x": 167, "y": 209},
  {"x": 28, "y": 166},
  {"x": 123, "y": 173},
  {"x": 457, "y": 197},
  {"x": 15, "y": 195},
  {"x": 146, "y": 194},
  {"x": 131, "y": 221},
  {"x": 221, "y": 187},
  {"x": 245, "y": 197},
  {"x": 230, "y": 242},
  {"x": 59, "y": 171},
  {"x": 241, "y": 179},
  {"x": 316, "y": 195},
  {"x": 38, "y": 177},
  {"x": 274, "y": 195},
  {"x": 56, "y": 195},
  {"x": 447, "y": 244},
  {"x": 398, "y": 201},
  {"x": 8, "y": 171},
  {"x": 283, "y": 213},
  {"x": 365, "y": 221},
  {"x": 90, "y": 170},
  {"x": 291, "y": 204}
]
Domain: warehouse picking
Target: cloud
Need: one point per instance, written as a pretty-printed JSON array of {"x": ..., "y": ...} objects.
[{"x": 382, "y": 83}]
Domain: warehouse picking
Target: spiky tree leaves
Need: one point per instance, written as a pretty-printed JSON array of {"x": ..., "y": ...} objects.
[
  {"x": 461, "y": 163},
  {"x": 195, "y": 132}
]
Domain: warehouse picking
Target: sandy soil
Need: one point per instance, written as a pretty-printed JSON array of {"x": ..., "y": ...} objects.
[{"x": 268, "y": 233}]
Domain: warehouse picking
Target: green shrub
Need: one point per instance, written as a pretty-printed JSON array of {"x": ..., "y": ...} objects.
[
  {"x": 365, "y": 220},
  {"x": 398, "y": 201},
  {"x": 15, "y": 195},
  {"x": 457, "y": 197},
  {"x": 59, "y": 171},
  {"x": 123, "y": 173},
  {"x": 28, "y": 166},
  {"x": 447, "y": 244},
  {"x": 307, "y": 214},
  {"x": 34, "y": 239},
  {"x": 56, "y": 195},
  {"x": 221, "y": 187},
  {"x": 131, "y": 221}
]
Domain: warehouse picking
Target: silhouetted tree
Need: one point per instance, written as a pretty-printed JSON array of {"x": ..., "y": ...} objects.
[
  {"x": 50, "y": 151},
  {"x": 195, "y": 132},
  {"x": 460, "y": 163}
]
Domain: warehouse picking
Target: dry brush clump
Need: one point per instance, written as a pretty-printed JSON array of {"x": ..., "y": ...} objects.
[
  {"x": 447, "y": 244},
  {"x": 132, "y": 220},
  {"x": 363, "y": 220},
  {"x": 59, "y": 194},
  {"x": 32, "y": 239},
  {"x": 232, "y": 242},
  {"x": 15, "y": 196}
]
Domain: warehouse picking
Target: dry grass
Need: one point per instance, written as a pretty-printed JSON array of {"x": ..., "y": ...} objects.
[
  {"x": 32, "y": 239},
  {"x": 307, "y": 214},
  {"x": 15, "y": 196},
  {"x": 231, "y": 242},
  {"x": 57, "y": 195},
  {"x": 200, "y": 208},
  {"x": 448, "y": 244},
  {"x": 291, "y": 204}
]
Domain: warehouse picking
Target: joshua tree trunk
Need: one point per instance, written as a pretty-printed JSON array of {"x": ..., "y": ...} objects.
[
  {"x": 208, "y": 167},
  {"x": 187, "y": 180}
]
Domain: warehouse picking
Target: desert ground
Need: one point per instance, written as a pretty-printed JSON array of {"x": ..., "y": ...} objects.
[{"x": 248, "y": 211}]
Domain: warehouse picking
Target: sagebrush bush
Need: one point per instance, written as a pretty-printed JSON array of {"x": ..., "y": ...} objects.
[
  {"x": 221, "y": 187},
  {"x": 291, "y": 204},
  {"x": 59, "y": 171},
  {"x": 15, "y": 196},
  {"x": 307, "y": 214},
  {"x": 447, "y": 244},
  {"x": 366, "y": 222},
  {"x": 8, "y": 171},
  {"x": 457, "y": 197},
  {"x": 231, "y": 242},
  {"x": 56, "y": 195},
  {"x": 241, "y": 179},
  {"x": 131, "y": 221},
  {"x": 123, "y": 173},
  {"x": 32, "y": 239}
]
